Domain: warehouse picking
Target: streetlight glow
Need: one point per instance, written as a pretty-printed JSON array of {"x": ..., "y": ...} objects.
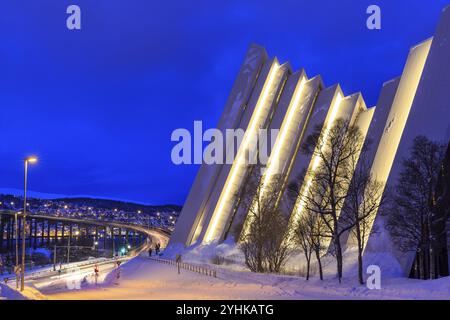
[{"x": 31, "y": 159}]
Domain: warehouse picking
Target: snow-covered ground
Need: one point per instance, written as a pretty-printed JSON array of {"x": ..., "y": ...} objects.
[
  {"x": 142, "y": 278},
  {"x": 233, "y": 259}
]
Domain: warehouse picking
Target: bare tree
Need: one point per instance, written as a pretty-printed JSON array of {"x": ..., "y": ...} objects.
[
  {"x": 364, "y": 198},
  {"x": 317, "y": 236},
  {"x": 410, "y": 220},
  {"x": 310, "y": 230},
  {"x": 262, "y": 238},
  {"x": 303, "y": 238},
  {"x": 309, "y": 235},
  {"x": 276, "y": 251},
  {"x": 440, "y": 217},
  {"x": 328, "y": 179}
]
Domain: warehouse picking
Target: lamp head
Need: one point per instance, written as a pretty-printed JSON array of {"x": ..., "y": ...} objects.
[{"x": 31, "y": 159}]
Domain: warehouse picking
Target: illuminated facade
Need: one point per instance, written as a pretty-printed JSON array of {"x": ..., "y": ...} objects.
[
  {"x": 416, "y": 103},
  {"x": 269, "y": 95}
]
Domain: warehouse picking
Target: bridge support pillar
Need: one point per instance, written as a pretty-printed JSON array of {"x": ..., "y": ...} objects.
[
  {"x": 30, "y": 232},
  {"x": 70, "y": 234},
  {"x": 19, "y": 231},
  {"x": 105, "y": 237},
  {"x": 42, "y": 232},
  {"x": 113, "y": 245},
  {"x": 1, "y": 231},
  {"x": 10, "y": 229},
  {"x": 35, "y": 234},
  {"x": 57, "y": 238},
  {"x": 48, "y": 233}
]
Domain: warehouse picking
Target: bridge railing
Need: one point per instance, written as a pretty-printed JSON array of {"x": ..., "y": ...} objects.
[
  {"x": 132, "y": 225},
  {"x": 187, "y": 266}
]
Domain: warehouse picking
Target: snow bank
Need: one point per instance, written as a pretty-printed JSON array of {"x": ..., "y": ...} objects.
[
  {"x": 226, "y": 253},
  {"x": 229, "y": 255}
]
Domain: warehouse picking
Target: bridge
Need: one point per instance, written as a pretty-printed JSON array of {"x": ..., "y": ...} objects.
[{"x": 56, "y": 231}]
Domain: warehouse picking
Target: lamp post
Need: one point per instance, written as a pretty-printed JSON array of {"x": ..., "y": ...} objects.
[
  {"x": 24, "y": 219},
  {"x": 16, "y": 237}
]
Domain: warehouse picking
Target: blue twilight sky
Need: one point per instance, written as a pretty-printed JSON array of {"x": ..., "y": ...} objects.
[{"x": 98, "y": 105}]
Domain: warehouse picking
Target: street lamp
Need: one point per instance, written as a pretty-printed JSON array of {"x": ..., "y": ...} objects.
[
  {"x": 16, "y": 237},
  {"x": 28, "y": 160}
]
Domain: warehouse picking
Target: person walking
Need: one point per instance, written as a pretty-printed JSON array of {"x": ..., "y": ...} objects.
[{"x": 96, "y": 273}]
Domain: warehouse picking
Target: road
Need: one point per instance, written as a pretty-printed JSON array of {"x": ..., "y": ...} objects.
[{"x": 75, "y": 278}]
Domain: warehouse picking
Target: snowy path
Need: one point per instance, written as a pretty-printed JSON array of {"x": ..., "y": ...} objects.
[{"x": 145, "y": 279}]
